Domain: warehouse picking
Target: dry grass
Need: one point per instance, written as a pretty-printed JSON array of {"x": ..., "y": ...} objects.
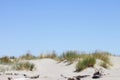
[
  {"x": 104, "y": 56},
  {"x": 24, "y": 66},
  {"x": 70, "y": 56},
  {"x": 5, "y": 60},
  {"x": 27, "y": 56},
  {"x": 88, "y": 61},
  {"x": 51, "y": 55}
]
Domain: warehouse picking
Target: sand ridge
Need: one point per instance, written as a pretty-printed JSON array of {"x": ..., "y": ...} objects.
[{"x": 49, "y": 69}]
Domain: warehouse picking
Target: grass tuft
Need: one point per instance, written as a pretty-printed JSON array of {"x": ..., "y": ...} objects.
[
  {"x": 70, "y": 56},
  {"x": 89, "y": 61},
  {"x": 27, "y": 56},
  {"x": 24, "y": 66},
  {"x": 5, "y": 60},
  {"x": 104, "y": 56}
]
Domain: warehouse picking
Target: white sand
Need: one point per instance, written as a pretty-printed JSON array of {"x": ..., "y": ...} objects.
[{"x": 49, "y": 69}]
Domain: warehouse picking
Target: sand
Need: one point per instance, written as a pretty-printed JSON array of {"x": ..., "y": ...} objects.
[{"x": 49, "y": 69}]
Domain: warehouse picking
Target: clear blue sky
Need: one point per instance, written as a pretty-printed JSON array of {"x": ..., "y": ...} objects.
[{"x": 46, "y": 25}]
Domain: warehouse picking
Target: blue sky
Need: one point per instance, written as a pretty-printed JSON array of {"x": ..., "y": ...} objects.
[{"x": 60, "y": 25}]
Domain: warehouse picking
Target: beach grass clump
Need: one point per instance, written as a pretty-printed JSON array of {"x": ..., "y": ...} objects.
[
  {"x": 89, "y": 61},
  {"x": 27, "y": 56},
  {"x": 80, "y": 66},
  {"x": 104, "y": 56},
  {"x": 70, "y": 56},
  {"x": 24, "y": 66},
  {"x": 5, "y": 60}
]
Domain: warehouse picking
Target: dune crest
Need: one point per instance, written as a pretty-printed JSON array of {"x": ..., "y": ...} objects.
[{"x": 49, "y": 69}]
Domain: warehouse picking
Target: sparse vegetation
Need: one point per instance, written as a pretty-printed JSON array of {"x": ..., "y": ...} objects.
[
  {"x": 70, "y": 56},
  {"x": 85, "y": 60},
  {"x": 24, "y": 66},
  {"x": 51, "y": 55},
  {"x": 27, "y": 56},
  {"x": 89, "y": 61},
  {"x": 5, "y": 60},
  {"x": 104, "y": 56}
]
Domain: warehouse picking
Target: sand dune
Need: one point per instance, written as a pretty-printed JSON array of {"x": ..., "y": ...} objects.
[{"x": 49, "y": 69}]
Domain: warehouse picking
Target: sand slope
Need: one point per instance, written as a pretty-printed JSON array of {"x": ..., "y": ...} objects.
[{"x": 49, "y": 69}]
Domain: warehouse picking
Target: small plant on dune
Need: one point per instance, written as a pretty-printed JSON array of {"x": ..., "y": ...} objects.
[
  {"x": 51, "y": 55},
  {"x": 70, "y": 56},
  {"x": 5, "y": 60},
  {"x": 24, "y": 66},
  {"x": 27, "y": 56},
  {"x": 104, "y": 56},
  {"x": 86, "y": 62},
  {"x": 80, "y": 66}
]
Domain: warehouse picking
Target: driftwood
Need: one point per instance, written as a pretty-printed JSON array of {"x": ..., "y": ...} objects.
[
  {"x": 9, "y": 78},
  {"x": 70, "y": 79},
  {"x": 81, "y": 76},
  {"x": 97, "y": 74},
  {"x": 75, "y": 77},
  {"x": 25, "y": 76},
  {"x": 32, "y": 77}
]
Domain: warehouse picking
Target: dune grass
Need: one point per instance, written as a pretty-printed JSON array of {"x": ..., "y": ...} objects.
[
  {"x": 104, "y": 56},
  {"x": 85, "y": 59},
  {"x": 88, "y": 61},
  {"x": 70, "y": 56},
  {"x": 27, "y": 56},
  {"x": 51, "y": 55},
  {"x": 24, "y": 66},
  {"x": 5, "y": 60}
]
